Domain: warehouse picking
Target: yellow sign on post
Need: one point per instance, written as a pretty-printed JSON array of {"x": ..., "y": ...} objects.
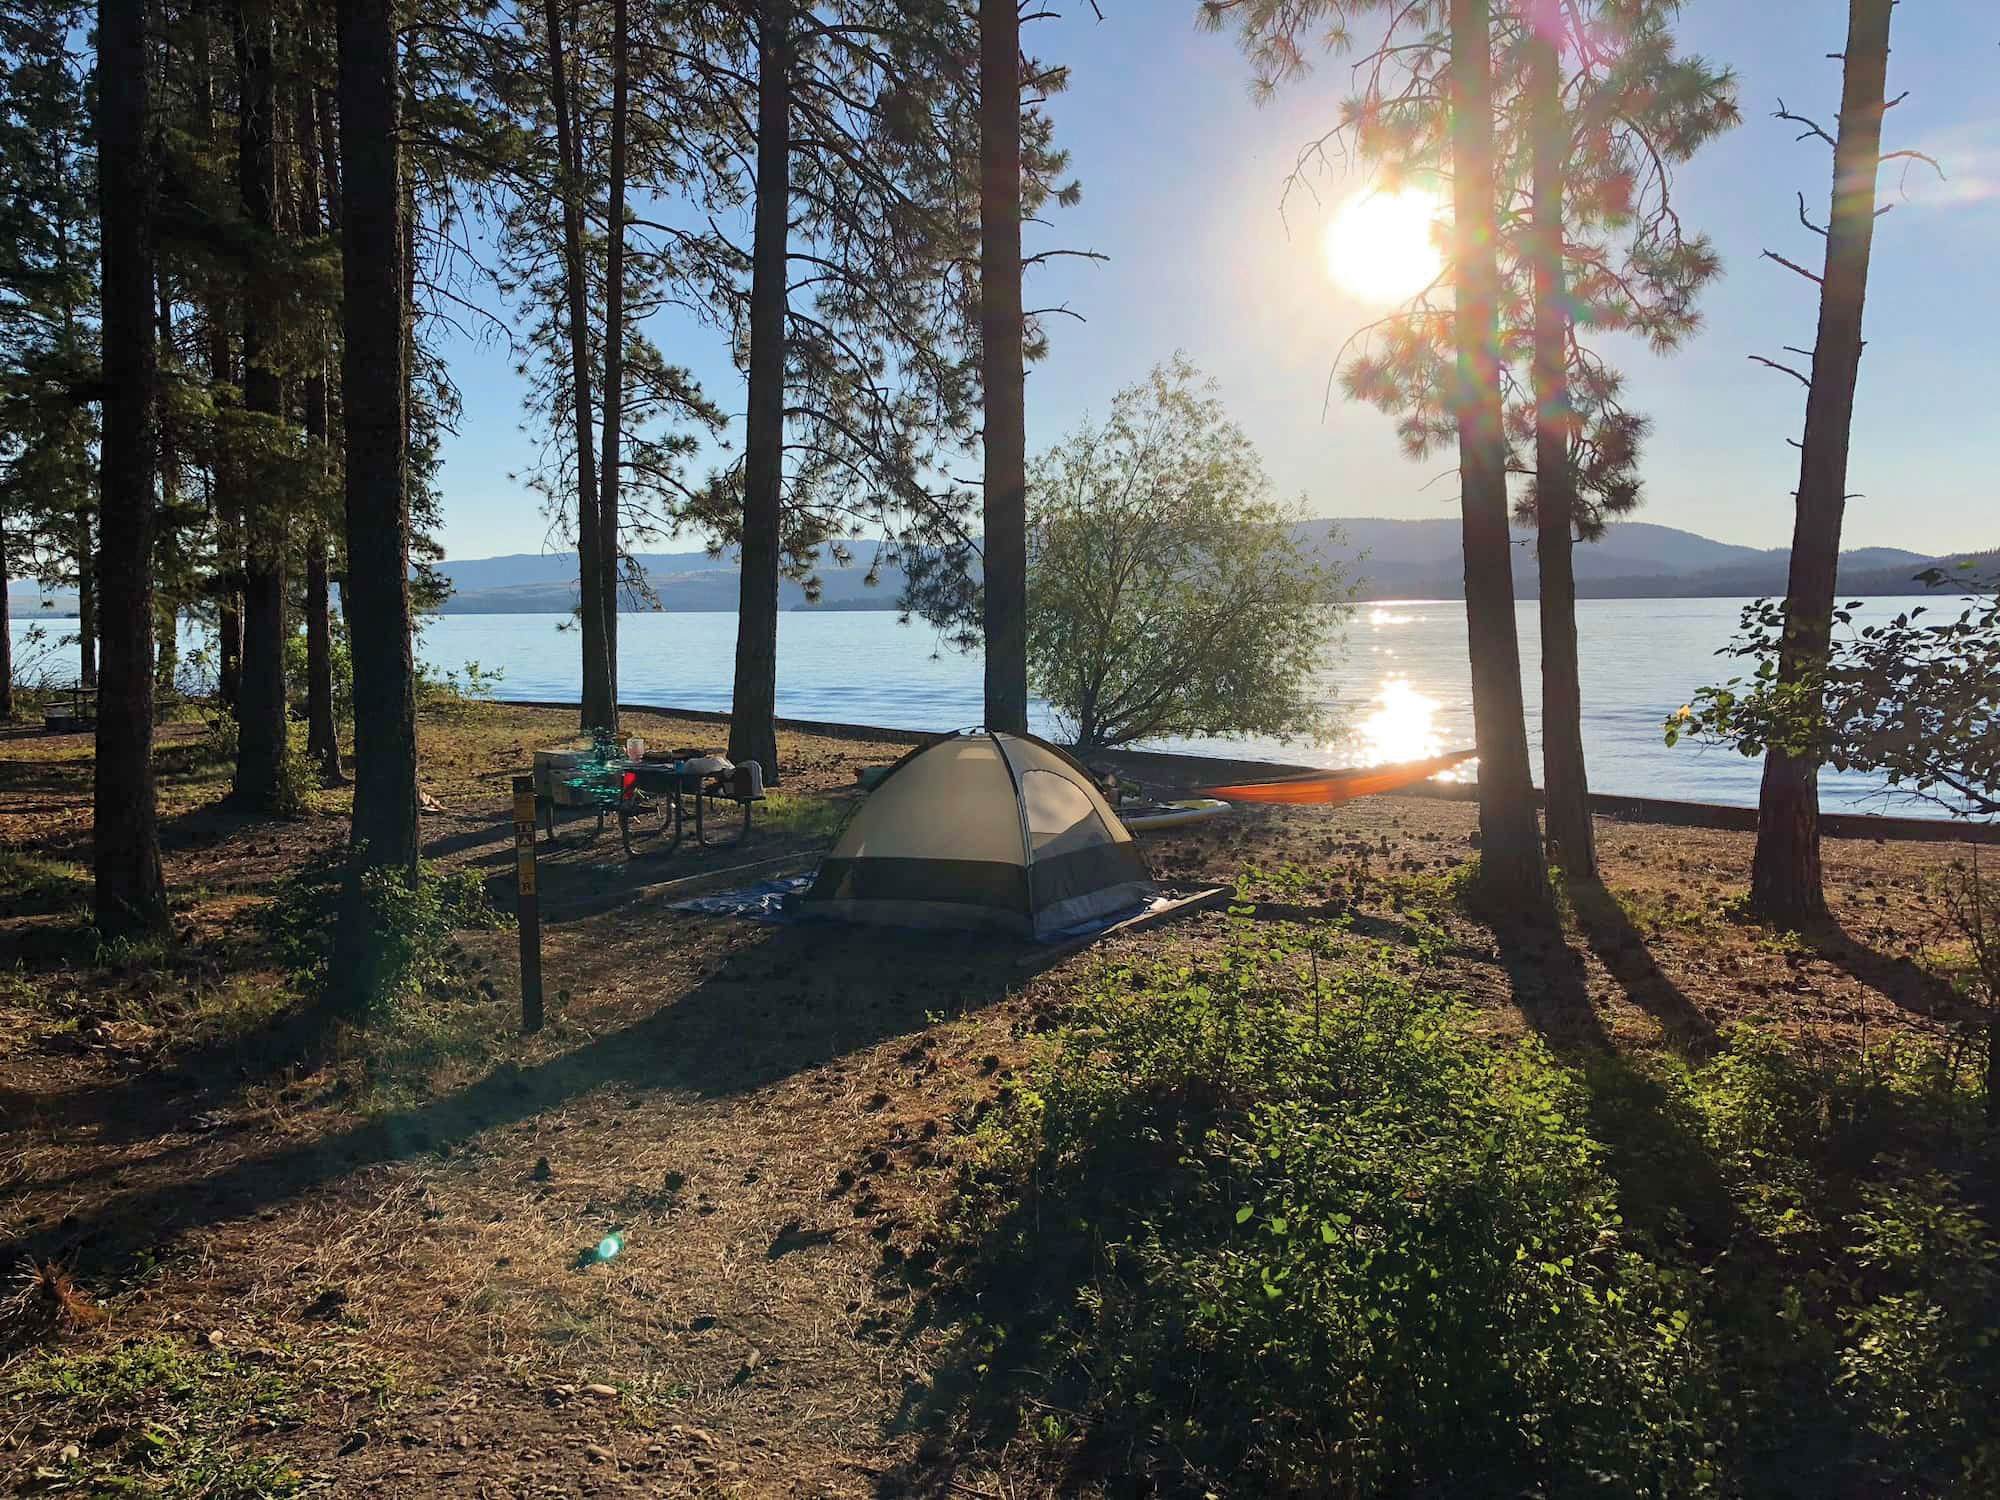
[{"x": 527, "y": 904}]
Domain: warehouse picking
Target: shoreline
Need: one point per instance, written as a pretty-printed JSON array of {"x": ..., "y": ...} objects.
[{"x": 1195, "y": 770}]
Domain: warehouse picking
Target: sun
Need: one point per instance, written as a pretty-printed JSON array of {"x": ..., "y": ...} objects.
[{"x": 1382, "y": 246}]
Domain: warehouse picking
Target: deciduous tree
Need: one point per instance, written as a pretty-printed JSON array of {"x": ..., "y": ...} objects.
[{"x": 1169, "y": 593}]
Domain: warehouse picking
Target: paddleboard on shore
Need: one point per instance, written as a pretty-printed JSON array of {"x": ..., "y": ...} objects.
[{"x": 1147, "y": 817}]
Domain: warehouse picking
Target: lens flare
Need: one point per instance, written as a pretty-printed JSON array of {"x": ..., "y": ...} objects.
[{"x": 1383, "y": 246}]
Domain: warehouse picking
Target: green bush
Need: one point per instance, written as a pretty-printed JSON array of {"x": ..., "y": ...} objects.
[
  {"x": 410, "y": 924},
  {"x": 1276, "y": 1222},
  {"x": 1361, "y": 1255},
  {"x": 340, "y": 662}
]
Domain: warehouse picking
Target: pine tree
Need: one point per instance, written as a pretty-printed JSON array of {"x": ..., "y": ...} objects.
[
  {"x": 1785, "y": 883},
  {"x": 374, "y": 396},
  {"x": 130, "y": 888},
  {"x": 599, "y": 701},
  {"x": 49, "y": 363},
  {"x": 322, "y": 732},
  {"x": 1601, "y": 137},
  {"x": 1003, "y": 375},
  {"x": 1585, "y": 241},
  {"x": 261, "y": 702}
]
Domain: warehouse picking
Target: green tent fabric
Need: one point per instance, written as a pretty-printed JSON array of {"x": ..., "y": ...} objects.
[{"x": 982, "y": 831}]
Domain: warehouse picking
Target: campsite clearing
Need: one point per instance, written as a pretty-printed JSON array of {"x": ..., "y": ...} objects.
[{"x": 364, "y": 1261}]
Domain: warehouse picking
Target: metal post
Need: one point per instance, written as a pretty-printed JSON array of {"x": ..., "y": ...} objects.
[{"x": 529, "y": 904}]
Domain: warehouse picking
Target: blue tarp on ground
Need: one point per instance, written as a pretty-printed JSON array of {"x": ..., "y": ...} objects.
[
  {"x": 775, "y": 901},
  {"x": 764, "y": 902}
]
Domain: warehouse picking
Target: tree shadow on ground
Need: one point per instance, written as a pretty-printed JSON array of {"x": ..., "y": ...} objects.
[
  {"x": 1623, "y": 950},
  {"x": 1899, "y": 979},
  {"x": 763, "y": 1013},
  {"x": 1670, "y": 1185}
]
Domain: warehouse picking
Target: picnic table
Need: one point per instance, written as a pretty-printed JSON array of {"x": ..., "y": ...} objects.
[{"x": 682, "y": 787}]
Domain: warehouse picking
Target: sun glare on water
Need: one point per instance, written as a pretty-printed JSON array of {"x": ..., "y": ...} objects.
[
  {"x": 1401, "y": 724},
  {"x": 1381, "y": 246}
]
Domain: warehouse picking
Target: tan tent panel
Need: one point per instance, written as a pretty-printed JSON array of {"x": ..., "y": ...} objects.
[{"x": 983, "y": 830}]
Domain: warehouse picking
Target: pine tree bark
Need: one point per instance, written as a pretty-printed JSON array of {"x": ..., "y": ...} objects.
[
  {"x": 597, "y": 706},
  {"x": 1785, "y": 883},
  {"x": 130, "y": 888},
  {"x": 611, "y": 469},
  {"x": 1510, "y": 843},
  {"x": 1002, "y": 370},
  {"x": 322, "y": 733},
  {"x": 753, "y": 730},
  {"x": 261, "y": 701},
  {"x": 225, "y": 491},
  {"x": 376, "y": 592},
  {"x": 166, "y": 606},
  {"x": 1565, "y": 781}
]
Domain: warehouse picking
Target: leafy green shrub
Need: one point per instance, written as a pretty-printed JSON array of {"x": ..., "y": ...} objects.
[
  {"x": 410, "y": 924},
  {"x": 1359, "y": 1254},
  {"x": 1922, "y": 1352},
  {"x": 449, "y": 691},
  {"x": 340, "y": 661},
  {"x": 217, "y": 746}
]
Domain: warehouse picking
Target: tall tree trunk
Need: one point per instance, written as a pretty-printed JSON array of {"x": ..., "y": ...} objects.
[
  {"x": 130, "y": 889},
  {"x": 228, "y": 525},
  {"x": 376, "y": 593},
  {"x": 1510, "y": 843},
  {"x": 753, "y": 730},
  {"x": 1565, "y": 783},
  {"x": 322, "y": 733},
  {"x": 614, "y": 363},
  {"x": 166, "y": 606},
  {"x": 87, "y": 627},
  {"x": 227, "y": 488},
  {"x": 260, "y": 710},
  {"x": 598, "y": 707},
  {"x": 1785, "y": 875},
  {"x": 1001, "y": 366}
]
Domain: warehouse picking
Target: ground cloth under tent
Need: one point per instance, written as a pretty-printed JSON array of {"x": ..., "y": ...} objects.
[{"x": 775, "y": 901}]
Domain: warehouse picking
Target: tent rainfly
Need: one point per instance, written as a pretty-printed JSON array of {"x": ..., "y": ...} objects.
[{"x": 982, "y": 830}]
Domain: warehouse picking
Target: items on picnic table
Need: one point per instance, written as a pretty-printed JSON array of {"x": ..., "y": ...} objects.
[{"x": 616, "y": 780}]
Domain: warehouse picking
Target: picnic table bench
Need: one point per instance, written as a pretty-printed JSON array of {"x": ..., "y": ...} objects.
[{"x": 79, "y": 713}]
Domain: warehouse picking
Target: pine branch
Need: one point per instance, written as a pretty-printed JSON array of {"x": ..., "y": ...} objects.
[
  {"x": 1803, "y": 380},
  {"x": 1812, "y": 127},
  {"x": 1792, "y": 265}
]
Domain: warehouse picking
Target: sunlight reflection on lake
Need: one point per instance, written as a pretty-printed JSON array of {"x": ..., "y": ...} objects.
[{"x": 1401, "y": 724}]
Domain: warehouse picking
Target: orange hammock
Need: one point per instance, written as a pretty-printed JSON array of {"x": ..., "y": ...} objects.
[{"x": 1340, "y": 786}]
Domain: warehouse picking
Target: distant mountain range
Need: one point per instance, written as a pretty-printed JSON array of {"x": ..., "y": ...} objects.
[{"x": 1392, "y": 560}]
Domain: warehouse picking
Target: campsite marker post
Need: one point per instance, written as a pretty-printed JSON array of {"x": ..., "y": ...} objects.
[{"x": 529, "y": 904}]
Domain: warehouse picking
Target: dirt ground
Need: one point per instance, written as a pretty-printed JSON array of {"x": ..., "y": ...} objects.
[{"x": 768, "y": 1115}]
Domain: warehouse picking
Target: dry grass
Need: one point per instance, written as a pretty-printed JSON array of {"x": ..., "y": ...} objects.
[{"x": 767, "y": 1115}]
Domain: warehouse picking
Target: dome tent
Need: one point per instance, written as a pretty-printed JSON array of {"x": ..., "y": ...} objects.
[{"x": 982, "y": 830}]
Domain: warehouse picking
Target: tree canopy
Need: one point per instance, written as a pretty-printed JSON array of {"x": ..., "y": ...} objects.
[{"x": 1169, "y": 593}]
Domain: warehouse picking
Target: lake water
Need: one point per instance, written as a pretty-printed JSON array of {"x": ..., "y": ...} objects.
[{"x": 1399, "y": 684}]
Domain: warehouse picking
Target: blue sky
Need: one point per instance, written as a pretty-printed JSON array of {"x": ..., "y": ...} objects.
[{"x": 1182, "y": 174}]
